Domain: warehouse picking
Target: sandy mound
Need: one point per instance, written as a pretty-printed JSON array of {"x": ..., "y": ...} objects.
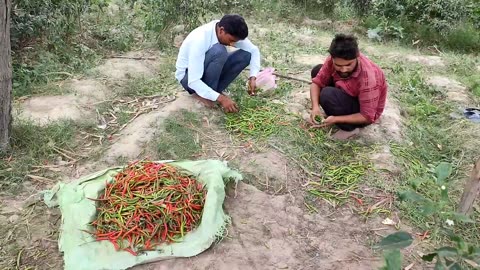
[
  {"x": 132, "y": 64},
  {"x": 54, "y": 108},
  {"x": 93, "y": 89},
  {"x": 426, "y": 60},
  {"x": 388, "y": 127},
  {"x": 383, "y": 159}
]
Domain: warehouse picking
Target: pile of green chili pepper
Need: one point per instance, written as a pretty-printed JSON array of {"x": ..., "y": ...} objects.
[{"x": 148, "y": 204}]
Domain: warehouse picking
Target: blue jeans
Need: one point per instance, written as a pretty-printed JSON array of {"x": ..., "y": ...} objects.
[{"x": 220, "y": 68}]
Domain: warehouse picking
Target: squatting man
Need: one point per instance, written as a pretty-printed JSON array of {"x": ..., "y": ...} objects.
[
  {"x": 349, "y": 87},
  {"x": 205, "y": 67}
]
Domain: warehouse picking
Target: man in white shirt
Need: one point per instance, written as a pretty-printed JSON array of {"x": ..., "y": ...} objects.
[{"x": 204, "y": 66}]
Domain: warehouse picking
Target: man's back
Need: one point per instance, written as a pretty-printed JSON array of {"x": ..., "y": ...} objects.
[{"x": 203, "y": 38}]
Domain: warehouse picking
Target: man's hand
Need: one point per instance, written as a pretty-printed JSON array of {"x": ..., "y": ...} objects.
[
  {"x": 252, "y": 86},
  {"x": 227, "y": 104},
  {"x": 331, "y": 120},
  {"x": 315, "y": 113}
]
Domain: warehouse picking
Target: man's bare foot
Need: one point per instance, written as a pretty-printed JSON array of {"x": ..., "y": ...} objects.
[
  {"x": 208, "y": 103},
  {"x": 343, "y": 135}
]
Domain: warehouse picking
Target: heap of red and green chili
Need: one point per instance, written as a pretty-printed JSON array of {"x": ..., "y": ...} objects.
[{"x": 148, "y": 204}]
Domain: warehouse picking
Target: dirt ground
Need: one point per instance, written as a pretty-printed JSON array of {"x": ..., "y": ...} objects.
[
  {"x": 271, "y": 227},
  {"x": 274, "y": 232}
]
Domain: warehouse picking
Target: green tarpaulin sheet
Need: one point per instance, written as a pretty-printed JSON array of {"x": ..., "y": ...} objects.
[{"x": 82, "y": 252}]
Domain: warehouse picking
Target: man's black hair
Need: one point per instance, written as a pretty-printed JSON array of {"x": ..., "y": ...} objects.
[
  {"x": 234, "y": 25},
  {"x": 344, "y": 46}
]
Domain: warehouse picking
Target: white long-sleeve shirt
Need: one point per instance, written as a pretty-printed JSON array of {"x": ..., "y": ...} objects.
[{"x": 192, "y": 56}]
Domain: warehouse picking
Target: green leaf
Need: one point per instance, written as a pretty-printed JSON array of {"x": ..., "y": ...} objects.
[
  {"x": 429, "y": 257},
  {"x": 447, "y": 252},
  {"x": 428, "y": 208},
  {"x": 411, "y": 196},
  {"x": 395, "y": 241},
  {"x": 393, "y": 260},
  {"x": 443, "y": 171},
  {"x": 474, "y": 252},
  {"x": 460, "y": 243},
  {"x": 455, "y": 266},
  {"x": 416, "y": 183},
  {"x": 439, "y": 265},
  {"x": 462, "y": 218}
]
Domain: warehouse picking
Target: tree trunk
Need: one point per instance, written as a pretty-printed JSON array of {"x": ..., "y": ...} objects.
[
  {"x": 5, "y": 75},
  {"x": 470, "y": 191}
]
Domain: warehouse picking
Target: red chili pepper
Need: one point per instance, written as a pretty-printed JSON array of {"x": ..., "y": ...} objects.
[
  {"x": 131, "y": 251},
  {"x": 145, "y": 197}
]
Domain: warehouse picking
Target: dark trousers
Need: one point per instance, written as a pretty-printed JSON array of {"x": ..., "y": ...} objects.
[
  {"x": 335, "y": 102},
  {"x": 220, "y": 68}
]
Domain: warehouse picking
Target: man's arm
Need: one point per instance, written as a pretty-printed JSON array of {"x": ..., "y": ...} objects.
[
  {"x": 196, "y": 59},
  {"x": 322, "y": 79},
  {"x": 248, "y": 46},
  {"x": 315, "y": 96},
  {"x": 356, "y": 118}
]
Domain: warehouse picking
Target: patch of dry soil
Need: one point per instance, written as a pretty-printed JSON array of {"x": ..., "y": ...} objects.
[
  {"x": 310, "y": 60},
  {"x": 124, "y": 68},
  {"x": 308, "y": 38},
  {"x": 132, "y": 139},
  {"x": 299, "y": 103},
  {"x": 273, "y": 232},
  {"x": 383, "y": 159},
  {"x": 45, "y": 109},
  {"x": 85, "y": 93},
  {"x": 426, "y": 60},
  {"x": 272, "y": 171},
  {"x": 456, "y": 91},
  {"x": 28, "y": 234},
  {"x": 388, "y": 127},
  {"x": 90, "y": 88},
  {"x": 74, "y": 106}
]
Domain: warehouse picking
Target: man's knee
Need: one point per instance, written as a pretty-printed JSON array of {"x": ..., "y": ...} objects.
[
  {"x": 218, "y": 51},
  {"x": 244, "y": 56},
  {"x": 315, "y": 70},
  {"x": 327, "y": 95}
]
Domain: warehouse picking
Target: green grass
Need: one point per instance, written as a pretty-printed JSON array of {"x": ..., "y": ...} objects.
[
  {"x": 264, "y": 122},
  {"x": 33, "y": 145},
  {"x": 177, "y": 139},
  {"x": 432, "y": 137},
  {"x": 473, "y": 83}
]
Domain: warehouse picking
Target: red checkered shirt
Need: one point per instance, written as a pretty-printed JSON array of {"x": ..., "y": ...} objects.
[{"x": 367, "y": 83}]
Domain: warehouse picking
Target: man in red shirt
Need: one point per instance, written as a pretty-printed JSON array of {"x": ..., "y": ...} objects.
[{"x": 350, "y": 88}]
